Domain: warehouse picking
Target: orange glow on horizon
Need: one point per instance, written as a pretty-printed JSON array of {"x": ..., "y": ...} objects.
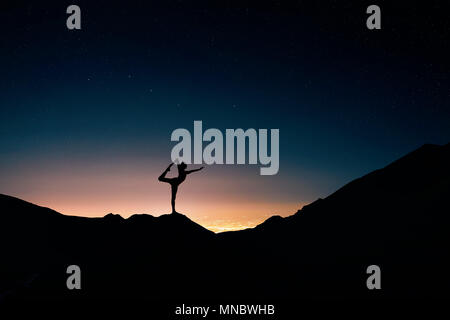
[
  {"x": 220, "y": 198},
  {"x": 229, "y": 217}
]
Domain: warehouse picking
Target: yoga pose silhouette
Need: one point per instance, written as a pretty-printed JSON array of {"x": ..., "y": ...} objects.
[{"x": 175, "y": 182}]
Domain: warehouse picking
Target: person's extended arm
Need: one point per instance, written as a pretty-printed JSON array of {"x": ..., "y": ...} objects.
[{"x": 190, "y": 171}]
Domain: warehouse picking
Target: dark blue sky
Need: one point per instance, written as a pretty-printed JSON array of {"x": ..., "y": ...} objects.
[{"x": 346, "y": 100}]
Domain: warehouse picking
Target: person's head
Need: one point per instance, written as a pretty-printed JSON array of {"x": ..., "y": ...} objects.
[{"x": 182, "y": 166}]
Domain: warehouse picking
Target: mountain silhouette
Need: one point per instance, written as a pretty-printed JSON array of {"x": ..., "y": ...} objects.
[{"x": 395, "y": 217}]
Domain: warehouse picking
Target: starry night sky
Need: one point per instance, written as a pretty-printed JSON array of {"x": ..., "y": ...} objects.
[{"x": 86, "y": 115}]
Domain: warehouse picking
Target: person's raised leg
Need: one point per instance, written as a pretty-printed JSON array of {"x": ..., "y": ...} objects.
[{"x": 162, "y": 177}]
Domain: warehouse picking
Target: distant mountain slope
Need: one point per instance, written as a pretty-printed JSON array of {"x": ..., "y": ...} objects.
[{"x": 396, "y": 217}]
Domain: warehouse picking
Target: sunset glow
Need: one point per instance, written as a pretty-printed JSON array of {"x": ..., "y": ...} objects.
[{"x": 218, "y": 204}]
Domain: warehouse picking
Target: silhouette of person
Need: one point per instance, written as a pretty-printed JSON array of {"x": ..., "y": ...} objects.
[{"x": 175, "y": 182}]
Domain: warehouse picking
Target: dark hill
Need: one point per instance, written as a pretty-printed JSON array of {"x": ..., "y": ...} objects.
[{"x": 395, "y": 217}]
